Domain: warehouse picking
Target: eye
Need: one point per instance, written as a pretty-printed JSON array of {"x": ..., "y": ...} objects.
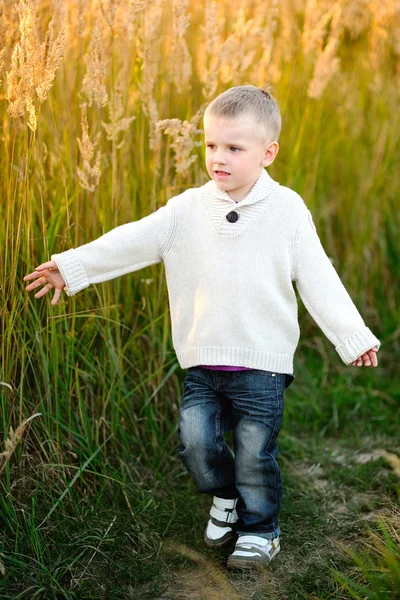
[
  {"x": 210, "y": 146},
  {"x": 233, "y": 148}
]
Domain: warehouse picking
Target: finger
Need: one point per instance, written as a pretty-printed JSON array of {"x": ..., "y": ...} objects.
[
  {"x": 43, "y": 291},
  {"x": 33, "y": 275},
  {"x": 369, "y": 358},
  {"x": 40, "y": 281},
  {"x": 366, "y": 359},
  {"x": 56, "y": 297},
  {"x": 47, "y": 265},
  {"x": 374, "y": 359},
  {"x": 51, "y": 265}
]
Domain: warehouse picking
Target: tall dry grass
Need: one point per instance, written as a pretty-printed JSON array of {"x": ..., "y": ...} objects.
[{"x": 122, "y": 88}]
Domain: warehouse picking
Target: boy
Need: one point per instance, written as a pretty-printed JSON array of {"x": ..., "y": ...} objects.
[{"x": 231, "y": 249}]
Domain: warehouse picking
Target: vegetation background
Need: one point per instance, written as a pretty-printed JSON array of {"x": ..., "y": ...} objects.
[{"x": 100, "y": 123}]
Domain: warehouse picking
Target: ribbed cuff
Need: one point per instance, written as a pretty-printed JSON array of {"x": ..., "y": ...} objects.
[
  {"x": 356, "y": 344},
  {"x": 72, "y": 271}
]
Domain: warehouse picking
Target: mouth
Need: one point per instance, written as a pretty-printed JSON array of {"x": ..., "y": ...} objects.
[{"x": 221, "y": 173}]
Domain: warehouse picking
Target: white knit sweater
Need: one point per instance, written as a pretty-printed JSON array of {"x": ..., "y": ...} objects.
[{"x": 231, "y": 296}]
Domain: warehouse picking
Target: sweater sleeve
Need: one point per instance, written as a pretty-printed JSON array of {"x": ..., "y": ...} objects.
[
  {"x": 326, "y": 298},
  {"x": 124, "y": 249}
]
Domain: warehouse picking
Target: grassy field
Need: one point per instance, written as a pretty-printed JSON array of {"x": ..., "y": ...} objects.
[{"x": 94, "y": 501}]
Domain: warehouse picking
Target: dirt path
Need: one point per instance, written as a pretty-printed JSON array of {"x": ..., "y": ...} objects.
[{"x": 329, "y": 501}]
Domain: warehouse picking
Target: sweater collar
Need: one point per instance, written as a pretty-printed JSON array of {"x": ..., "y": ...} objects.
[{"x": 263, "y": 188}]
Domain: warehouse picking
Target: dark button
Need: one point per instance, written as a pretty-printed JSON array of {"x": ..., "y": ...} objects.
[{"x": 232, "y": 216}]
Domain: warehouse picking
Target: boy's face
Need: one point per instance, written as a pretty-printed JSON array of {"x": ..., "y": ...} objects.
[{"x": 238, "y": 150}]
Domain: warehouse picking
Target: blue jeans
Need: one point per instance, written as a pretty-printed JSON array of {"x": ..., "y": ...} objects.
[{"x": 251, "y": 404}]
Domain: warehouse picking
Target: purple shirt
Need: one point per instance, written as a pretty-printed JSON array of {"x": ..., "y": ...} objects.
[{"x": 225, "y": 367}]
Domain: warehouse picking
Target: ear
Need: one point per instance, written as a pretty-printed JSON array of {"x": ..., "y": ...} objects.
[{"x": 270, "y": 153}]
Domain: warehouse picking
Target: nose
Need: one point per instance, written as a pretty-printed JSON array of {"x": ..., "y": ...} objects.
[{"x": 219, "y": 158}]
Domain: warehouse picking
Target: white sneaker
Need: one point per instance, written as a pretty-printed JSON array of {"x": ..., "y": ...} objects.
[
  {"x": 253, "y": 550},
  {"x": 221, "y": 529}
]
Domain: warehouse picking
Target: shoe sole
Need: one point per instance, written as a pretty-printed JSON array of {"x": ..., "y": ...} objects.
[
  {"x": 241, "y": 562},
  {"x": 227, "y": 540}
]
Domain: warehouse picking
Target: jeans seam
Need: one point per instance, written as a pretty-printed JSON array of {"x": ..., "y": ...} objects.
[
  {"x": 218, "y": 427},
  {"x": 275, "y": 433}
]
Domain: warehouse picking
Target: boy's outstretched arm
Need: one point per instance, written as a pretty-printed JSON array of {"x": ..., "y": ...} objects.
[
  {"x": 124, "y": 249},
  {"x": 327, "y": 300}
]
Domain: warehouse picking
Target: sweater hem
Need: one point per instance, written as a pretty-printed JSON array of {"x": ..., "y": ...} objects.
[{"x": 252, "y": 358}]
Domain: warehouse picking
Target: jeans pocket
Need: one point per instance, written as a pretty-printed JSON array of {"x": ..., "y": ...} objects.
[
  {"x": 196, "y": 389},
  {"x": 289, "y": 379}
]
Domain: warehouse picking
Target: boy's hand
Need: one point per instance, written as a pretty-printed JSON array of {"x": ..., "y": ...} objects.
[
  {"x": 368, "y": 358},
  {"x": 48, "y": 275}
]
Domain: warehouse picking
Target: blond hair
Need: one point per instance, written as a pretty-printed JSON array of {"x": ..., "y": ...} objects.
[{"x": 243, "y": 101}]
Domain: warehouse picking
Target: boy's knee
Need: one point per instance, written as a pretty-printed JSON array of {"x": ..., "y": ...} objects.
[
  {"x": 254, "y": 442},
  {"x": 195, "y": 426},
  {"x": 191, "y": 435},
  {"x": 197, "y": 442}
]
